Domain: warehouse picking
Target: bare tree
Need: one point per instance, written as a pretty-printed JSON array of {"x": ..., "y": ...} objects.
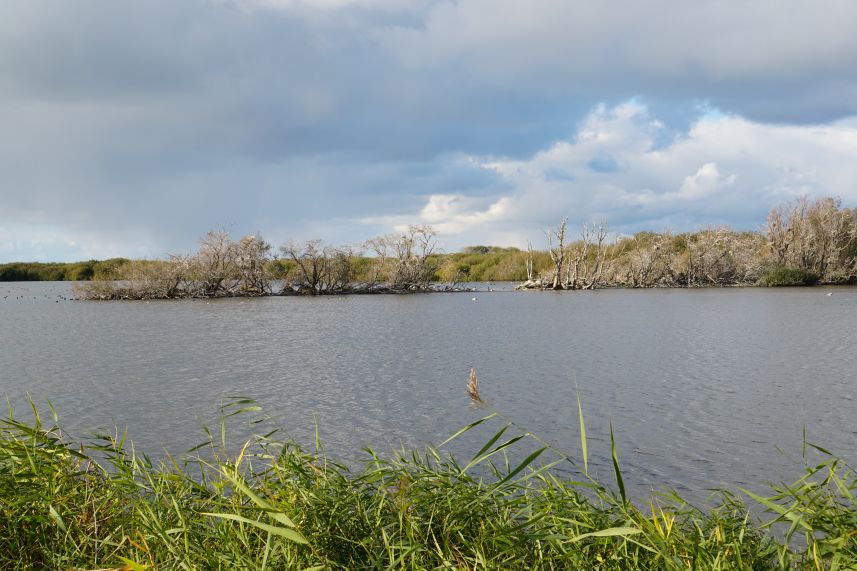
[
  {"x": 156, "y": 279},
  {"x": 529, "y": 261},
  {"x": 310, "y": 260},
  {"x": 707, "y": 252},
  {"x": 337, "y": 269},
  {"x": 253, "y": 254},
  {"x": 747, "y": 252},
  {"x": 320, "y": 269},
  {"x": 587, "y": 257},
  {"x": 215, "y": 264},
  {"x": 828, "y": 233},
  {"x": 779, "y": 236},
  {"x": 577, "y": 261},
  {"x": 646, "y": 260},
  {"x": 596, "y": 236},
  {"x": 557, "y": 251},
  {"x": 380, "y": 247},
  {"x": 816, "y": 236},
  {"x": 410, "y": 254}
]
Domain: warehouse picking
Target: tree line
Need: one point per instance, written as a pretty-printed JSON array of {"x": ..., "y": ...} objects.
[{"x": 803, "y": 242}]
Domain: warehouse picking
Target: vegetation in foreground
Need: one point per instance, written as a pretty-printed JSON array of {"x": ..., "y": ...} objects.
[{"x": 274, "y": 505}]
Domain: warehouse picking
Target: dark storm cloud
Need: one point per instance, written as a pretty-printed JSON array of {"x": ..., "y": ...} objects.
[{"x": 133, "y": 127}]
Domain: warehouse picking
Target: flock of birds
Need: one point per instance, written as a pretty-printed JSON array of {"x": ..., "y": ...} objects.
[{"x": 13, "y": 296}]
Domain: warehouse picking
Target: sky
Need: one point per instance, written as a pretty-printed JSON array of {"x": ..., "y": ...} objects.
[{"x": 132, "y": 128}]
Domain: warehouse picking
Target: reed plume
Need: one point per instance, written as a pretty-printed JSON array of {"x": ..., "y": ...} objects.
[{"x": 473, "y": 389}]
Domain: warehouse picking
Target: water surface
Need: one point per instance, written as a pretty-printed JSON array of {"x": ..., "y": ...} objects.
[{"x": 702, "y": 386}]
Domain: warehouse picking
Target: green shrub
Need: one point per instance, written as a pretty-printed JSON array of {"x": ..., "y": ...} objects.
[{"x": 782, "y": 276}]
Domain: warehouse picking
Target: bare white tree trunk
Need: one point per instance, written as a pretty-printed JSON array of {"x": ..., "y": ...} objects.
[
  {"x": 529, "y": 261},
  {"x": 597, "y": 236},
  {"x": 557, "y": 252}
]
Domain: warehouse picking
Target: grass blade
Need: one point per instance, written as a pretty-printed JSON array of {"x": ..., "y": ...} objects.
[
  {"x": 285, "y": 532},
  {"x": 785, "y": 512},
  {"x": 526, "y": 462},
  {"x": 616, "y": 469},
  {"x": 272, "y": 511},
  {"x": 609, "y": 532},
  {"x": 582, "y": 436},
  {"x": 467, "y": 428}
]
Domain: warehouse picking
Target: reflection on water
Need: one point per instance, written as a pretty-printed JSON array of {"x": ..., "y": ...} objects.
[{"x": 701, "y": 385}]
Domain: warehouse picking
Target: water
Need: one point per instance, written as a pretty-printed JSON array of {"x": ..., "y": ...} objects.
[{"x": 702, "y": 386}]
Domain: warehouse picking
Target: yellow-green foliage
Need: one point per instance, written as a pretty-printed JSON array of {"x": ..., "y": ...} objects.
[
  {"x": 76, "y": 271},
  {"x": 489, "y": 263},
  {"x": 275, "y": 505},
  {"x": 280, "y": 268},
  {"x": 362, "y": 269}
]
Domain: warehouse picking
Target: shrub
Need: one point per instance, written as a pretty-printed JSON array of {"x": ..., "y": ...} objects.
[{"x": 783, "y": 276}]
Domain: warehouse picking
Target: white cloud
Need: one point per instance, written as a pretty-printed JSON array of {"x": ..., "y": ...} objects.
[
  {"x": 450, "y": 214},
  {"x": 704, "y": 183},
  {"x": 726, "y": 169}
]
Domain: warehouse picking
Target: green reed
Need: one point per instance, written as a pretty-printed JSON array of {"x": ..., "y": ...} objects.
[{"x": 276, "y": 505}]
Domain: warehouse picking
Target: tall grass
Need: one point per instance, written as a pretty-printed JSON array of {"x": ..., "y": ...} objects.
[{"x": 276, "y": 505}]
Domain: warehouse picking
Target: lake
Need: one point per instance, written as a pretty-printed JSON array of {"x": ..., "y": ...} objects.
[{"x": 705, "y": 388}]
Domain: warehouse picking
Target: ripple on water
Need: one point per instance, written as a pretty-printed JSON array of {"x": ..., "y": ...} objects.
[{"x": 700, "y": 385}]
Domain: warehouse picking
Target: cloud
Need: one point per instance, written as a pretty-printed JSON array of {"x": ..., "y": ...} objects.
[
  {"x": 724, "y": 170},
  {"x": 46, "y": 241},
  {"x": 450, "y": 214},
  {"x": 768, "y": 59},
  {"x": 704, "y": 183},
  {"x": 327, "y": 5},
  {"x": 142, "y": 125}
]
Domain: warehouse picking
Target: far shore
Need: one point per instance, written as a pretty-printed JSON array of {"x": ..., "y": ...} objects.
[{"x": 803, "y": 243}]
